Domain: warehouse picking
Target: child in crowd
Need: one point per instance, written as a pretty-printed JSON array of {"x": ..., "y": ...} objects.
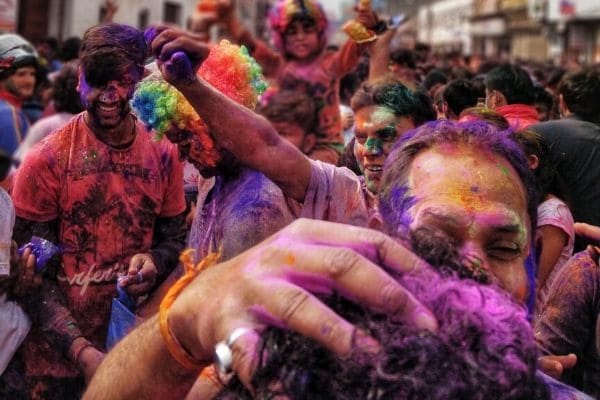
[
  {"x": 292, "y": 114},
  {"x": 299, "y": 32}
]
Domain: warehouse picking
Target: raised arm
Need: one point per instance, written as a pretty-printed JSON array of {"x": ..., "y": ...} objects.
[{"x": 249, "y": 136}]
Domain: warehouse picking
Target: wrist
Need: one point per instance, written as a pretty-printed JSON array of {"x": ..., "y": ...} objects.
[{"x": 77, "y": 348}]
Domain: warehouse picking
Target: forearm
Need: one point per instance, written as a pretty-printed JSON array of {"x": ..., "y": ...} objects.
[
  {"x": 168, "y": 242},
  {"x": 250, "y": 137},
  {"x": 140, "y": 366}
]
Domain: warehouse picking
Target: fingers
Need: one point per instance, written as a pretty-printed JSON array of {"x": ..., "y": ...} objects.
[
  {"x": 245, "y": 356},
  {"x": 321, "y": 269},
  {"x": 141, "y": 275},
  {"x": 167, "y": 40},
  {"x": 587, "y": 230},
  {"x": 291, "y": 307},
  {"x": 555, "y": 365},
  {"x": 374, "y": 245}
]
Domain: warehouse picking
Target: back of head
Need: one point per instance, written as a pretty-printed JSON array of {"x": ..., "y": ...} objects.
[
  {"x": 433, "y": 78},
  {"x": 404, "y": 57},
  {"x": 460, "y": 94},
  {"x": 393, "y": 200},
  {"x": 15, "y": 52},
  {"x": 69, "y": 50},
  {"x": 284, "y": 12},
  {"x": 484, "y": 349},
  {"x": 64, "y": 90},
  {"x": 580, "y": 91},
  {"x": 392, "y": 94},
  {"x": 105, "y": 49},
  {"x": 513, "y": 82},
  {"x": 292, "y": 107}
]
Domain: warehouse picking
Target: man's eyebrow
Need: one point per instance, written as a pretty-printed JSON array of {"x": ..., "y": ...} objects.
[
  {"x": 443, "y": 217},
  {"x": 508, "y": 228},
  {"x": 390, "y": 129}
]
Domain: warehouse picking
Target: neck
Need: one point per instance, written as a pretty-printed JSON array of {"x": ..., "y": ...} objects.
[
  {"x": 119, "y": 136},
  {"x": 10, "y": 98}
]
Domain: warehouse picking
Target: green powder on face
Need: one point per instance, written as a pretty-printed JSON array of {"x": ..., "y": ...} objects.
[{"x": 504, "y": 170}]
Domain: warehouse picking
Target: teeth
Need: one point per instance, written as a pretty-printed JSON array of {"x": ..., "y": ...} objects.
[
  {"x": 375, "y": 169},
  {"x": 106, "y": 108}
]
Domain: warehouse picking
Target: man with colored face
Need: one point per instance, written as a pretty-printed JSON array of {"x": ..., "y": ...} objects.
[
  {"x": 18, "y": 64},
  {"x": 384, "y": 110},
  {"x": 111, "y": 198}
]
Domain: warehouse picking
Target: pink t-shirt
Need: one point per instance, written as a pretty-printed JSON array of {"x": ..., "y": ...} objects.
[
  {"x": 106, "y": 200},
  {"x": 556, "y": 213}
]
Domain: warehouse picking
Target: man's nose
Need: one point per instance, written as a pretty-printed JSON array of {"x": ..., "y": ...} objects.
[
  {"x": 373, "y": 147},
  {"x": 474, "y": 258},
  {"x": 109, "y": 94}
]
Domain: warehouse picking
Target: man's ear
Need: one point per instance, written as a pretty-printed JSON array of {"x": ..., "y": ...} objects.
[
  {"x": 79, "y": 77},
  {"x": 534, "y": 161},
  {"x": 310, "y": 140},
  {"x": 500, "y": 99}
]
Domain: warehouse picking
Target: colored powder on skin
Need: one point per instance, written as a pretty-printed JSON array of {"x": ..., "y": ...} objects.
[
  {"x": 505, "y": 170},
  {"x": 381, "y": 115},
  {"x": 229, "y": 68},
  {"x": 374, "y": 145}
]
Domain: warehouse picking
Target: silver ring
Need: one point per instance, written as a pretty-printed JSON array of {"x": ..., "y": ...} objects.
[{"x": 223, "y": 352}]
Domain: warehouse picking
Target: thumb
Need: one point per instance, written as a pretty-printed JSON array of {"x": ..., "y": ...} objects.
[{"x": 180, "y": 65}]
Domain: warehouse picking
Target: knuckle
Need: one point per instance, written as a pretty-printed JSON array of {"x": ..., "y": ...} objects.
[
  {"x": 293, "y": 305},
  {"x": 393, "y": 298},
  {"x": 341, "y": 261}
]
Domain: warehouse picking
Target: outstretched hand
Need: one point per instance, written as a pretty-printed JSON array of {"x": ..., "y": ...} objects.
[
  {"x": 274, "y": 284},
  {"x": 591, "y": 232}
]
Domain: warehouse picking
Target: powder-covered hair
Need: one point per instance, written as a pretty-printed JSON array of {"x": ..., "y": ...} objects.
[
  {"x": 392, "y": 94},
  {"x": 484, "y": 349},
  {"x": 394, "y": 201},
  {"x": 107, "y": 49}
]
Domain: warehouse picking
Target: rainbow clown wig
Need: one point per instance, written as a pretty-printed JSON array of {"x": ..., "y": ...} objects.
[
  {"x": 284, "y": 12},
  {"x": 229, "y": 68}
]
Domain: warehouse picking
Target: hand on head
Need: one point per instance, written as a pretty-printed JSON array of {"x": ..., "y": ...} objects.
[{"x": 274, "y": 284}]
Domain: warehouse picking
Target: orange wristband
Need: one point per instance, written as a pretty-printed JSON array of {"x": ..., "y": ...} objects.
[{"x": 175, "y": 348}]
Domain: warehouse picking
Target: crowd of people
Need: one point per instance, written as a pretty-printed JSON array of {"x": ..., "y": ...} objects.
[{"x": 386, "y": 224}]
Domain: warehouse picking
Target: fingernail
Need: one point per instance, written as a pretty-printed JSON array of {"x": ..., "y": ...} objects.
[
  {"x": 425, "y": 320},
  {"x": 366, "y": 343}
]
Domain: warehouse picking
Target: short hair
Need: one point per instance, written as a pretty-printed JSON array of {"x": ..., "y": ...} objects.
[
  {"x": 460, "y": 94},
  {"x": 394, "y": 199},
  {"x": 484, "y": 349},
  {"x": 291, "y": 106},
  {"x": 404, "y": 57},
  {"x": 107, "y": 49},
  {"x": 484, "y": 114},
  {"x": 64, "y": 90},
  {"x": 513, "y": 82},
  {"x": 581, "y": 93},
  {"x": 392, "y": 94},
  {"x": 434, "y": 77},
  {"x": 69, "y": 50},
  {"x": 547, "y": 178},
  {"x": 542, "y": 96}
]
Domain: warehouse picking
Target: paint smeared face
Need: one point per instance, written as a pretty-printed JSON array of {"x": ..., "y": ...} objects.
[
  {"x": 376, "y": 130},
  {"x": 204, "y": 156},
  {"x": 477, "y": 198},
  {"x": 108, "y": 103},
  {"x": 22, "y": 82},
  {"x": 301, "y": 39}
]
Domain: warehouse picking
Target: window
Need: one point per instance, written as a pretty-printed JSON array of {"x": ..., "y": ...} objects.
[
  {"x": 172, "y": 13},
  {"x": 143, "y": 18}
]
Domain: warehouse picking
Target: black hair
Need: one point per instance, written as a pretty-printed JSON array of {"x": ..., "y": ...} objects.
[
  {"x": 460, "y": 94},
  {"x": 581, "y": 93},
  {"x": 513, "y": 82}
]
